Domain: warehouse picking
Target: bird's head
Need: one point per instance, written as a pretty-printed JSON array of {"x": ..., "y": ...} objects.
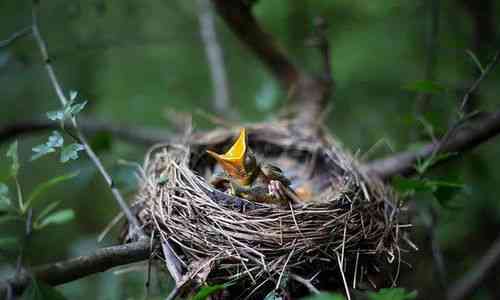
[{"x": 239, "y": 161}]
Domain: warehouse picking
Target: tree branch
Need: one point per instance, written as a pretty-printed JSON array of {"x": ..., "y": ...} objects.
[
  {"x": 132, "y": 134},
  {"x": 75, "y": 268},
  {"x": 309, "y": 92},
  {"x": 467, "y": 137},
  {"x": 464, "y": 287}
]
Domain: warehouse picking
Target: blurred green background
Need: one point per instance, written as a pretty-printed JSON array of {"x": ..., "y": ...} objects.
[{"x": 136, "y": 61}]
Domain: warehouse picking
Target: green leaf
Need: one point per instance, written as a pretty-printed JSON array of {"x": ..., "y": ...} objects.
[
  {"x": 325, "y": 296},
  {"x": 45, "y": 186},
  {"x": 411, "y": 185},
  {"x": 70, "y": 152},
  {"x": 475, "y": 60},
  {"x": 56, "y": 115},
  {"x": 392, "y": 294},
  {"x": 77, "y": 108},
  {"x": 425, "y": 86},
  {"x": 5, "y": 202},
  {"x": 208, "y": 290},
  {"x": 59, "y": 217},
  {"x": 12, "y": 153},
  {"x": 56, "y": 140},
  {"x": 73, "y": 95},
  {"x": 47, "y": 210},
  {"x": 41, "y": 291}
]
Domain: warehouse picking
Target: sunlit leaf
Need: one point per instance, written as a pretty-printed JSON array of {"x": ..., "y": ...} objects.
[
  {"x": 41, "y": 291},
  {"x": 47, "y": 210},
  {"x": 77, "y": 108},
  {"x": 325, "y": 296},
  {"x": 5, "y": 202},
  {"x": 70, "y": 152},
  {"x": 12, "y": 153},
  {"x": 392, "y": 294},
  {"x": 425, "y": 86},
  {"x": 56, "y": 115},
  {"x": 73, "y": 95},
  {"x": 410, "y": 185},
  {"x": 55, "y": 140},
  {"x": 45, "y": 186},
  {"x": 59, "y": 217}
]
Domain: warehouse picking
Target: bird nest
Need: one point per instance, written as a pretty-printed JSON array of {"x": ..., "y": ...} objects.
[{"x": 345, "y": 231}]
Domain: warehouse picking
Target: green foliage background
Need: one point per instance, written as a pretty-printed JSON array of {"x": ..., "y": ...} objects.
[{"x": 135, "y": 60}]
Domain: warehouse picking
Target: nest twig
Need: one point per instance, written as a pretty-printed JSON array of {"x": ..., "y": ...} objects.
[{"x": 350, "y": 226}]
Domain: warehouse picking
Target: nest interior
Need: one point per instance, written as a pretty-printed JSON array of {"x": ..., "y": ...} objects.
[{"x": 344, "y": 232}]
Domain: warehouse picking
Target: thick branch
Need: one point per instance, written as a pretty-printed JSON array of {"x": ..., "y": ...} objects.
[
  {"x": 240, "y": 20},
  {"x": 465, "y": 138},
  {"x": 132, "y": 134},
  {"x": 464, "y": 287},
  {"x": 309, "y": 92},
  {"x": 82, "y": 266}
]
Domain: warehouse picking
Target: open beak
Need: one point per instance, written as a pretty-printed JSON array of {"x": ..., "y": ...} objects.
[{"x": 233, "y": 161}]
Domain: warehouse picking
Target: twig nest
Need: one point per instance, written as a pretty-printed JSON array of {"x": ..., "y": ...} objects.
[{"x": 346, "y": 229}]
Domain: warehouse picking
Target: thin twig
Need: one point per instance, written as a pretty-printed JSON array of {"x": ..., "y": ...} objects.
[
  {"x": 15, "y": 36},
  {"x": 62, "y": 98},
  {"x": 476, "y": 83},
  {"x": 306, "y": 283},
  {"x": 214, "y": 56}
]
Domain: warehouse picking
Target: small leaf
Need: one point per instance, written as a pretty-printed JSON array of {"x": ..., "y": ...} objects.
[
  {"x": 13, "y": 154},
  {"x": 55, "y": 140},
  {"x": 47, "y": 210},
  {"x": 208, "y": 290},
  {"x": 476, "y": 60},
  {"x": 41, "y": 150},
  {"x": 425, "y": 86},
  {"x": 71, "y": 152},
  {"x": 411, "y": 185},
  {"x": 59, "y": 217},
  {"x": 56, "y": 115},
  {"x": 77, "y": 108},
  {"x": 325, "y": 296},
  {"x": 41, "y": 291},
  {"x": 5, "y": 203},
  {"x": 392, "y": 294},
  {"x": 73, "y": 95},
  {"x": 43, "y": 187}
]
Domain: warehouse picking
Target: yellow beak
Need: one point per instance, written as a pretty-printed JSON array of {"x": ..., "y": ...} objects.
[{"x": 233, "y": 161}]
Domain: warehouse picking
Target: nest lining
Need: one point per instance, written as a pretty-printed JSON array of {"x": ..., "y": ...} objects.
[{"x": 350, "y": 221}]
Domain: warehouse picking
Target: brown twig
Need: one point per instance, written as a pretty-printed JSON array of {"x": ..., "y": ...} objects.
[
  {"x": 308, "y": 92},
  {"x": 467, "y": 137},
  {"x": 75, "y": 268},
  {"x": 465, "y": 287},
  {"x": 136, "y": 135}
]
